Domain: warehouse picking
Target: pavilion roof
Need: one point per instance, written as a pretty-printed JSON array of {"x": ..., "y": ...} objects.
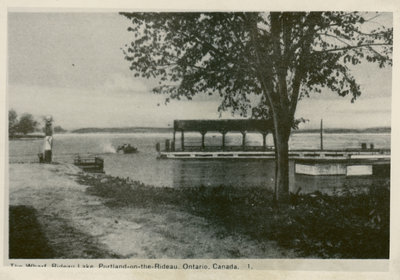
[{"x": 225, "y": 125}]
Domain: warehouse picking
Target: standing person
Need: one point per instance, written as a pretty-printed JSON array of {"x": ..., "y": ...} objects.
[{"x": 48, "y": 140}]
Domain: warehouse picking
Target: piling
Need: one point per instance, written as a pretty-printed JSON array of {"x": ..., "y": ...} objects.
[
  {"x": 322, "y": 136},
  {"x": 363, "y": 146}
]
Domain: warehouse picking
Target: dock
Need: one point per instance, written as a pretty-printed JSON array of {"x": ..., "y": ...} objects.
[
  {"x": 293, "y": 154},
  {"x": 314, "y": 162},
  {"x": 344, "y": 167},
  {"x": 355, "y": 162}
]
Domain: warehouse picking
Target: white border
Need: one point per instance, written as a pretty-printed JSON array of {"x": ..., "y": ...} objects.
[{"x": 277, "y": 269}]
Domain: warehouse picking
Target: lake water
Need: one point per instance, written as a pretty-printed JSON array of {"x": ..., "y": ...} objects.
[{"x": 145, "y": 167}]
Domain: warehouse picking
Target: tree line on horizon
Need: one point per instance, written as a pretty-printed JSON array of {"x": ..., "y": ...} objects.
[
  {"x": 25, "y": 124},
  {"x": 133, "y": 129}
]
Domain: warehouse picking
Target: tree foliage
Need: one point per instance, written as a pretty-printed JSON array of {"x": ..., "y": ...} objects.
[
  {"x": 27, "y": 124},
  {"x": 12, "y": 122},
  {"x": 59, "y": 129},
  {"x": 233, "y": 54},
  {"x": 258, "y": 63}
]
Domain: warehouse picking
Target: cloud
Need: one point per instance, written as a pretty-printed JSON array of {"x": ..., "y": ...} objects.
[
  {"x": 125, "y": 83},
  {"x": 75, "y": 108},
  {"x": 340, "y": 112}
]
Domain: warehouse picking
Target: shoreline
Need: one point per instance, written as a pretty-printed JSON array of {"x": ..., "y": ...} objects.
[
  {"x": 77, "y": 224},
  {"x": 122, "y": 218}
]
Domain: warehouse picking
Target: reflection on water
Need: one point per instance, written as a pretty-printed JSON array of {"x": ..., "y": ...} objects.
[
  {"x": 144, "y": 166},
  {"x": 208, "y": 172}
]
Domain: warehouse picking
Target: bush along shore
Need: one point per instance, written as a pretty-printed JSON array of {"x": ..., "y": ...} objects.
[{"x": 348, "y": 224}]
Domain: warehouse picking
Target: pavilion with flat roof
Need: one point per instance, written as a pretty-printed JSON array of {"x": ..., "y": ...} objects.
[
  {"x": 222, "y": 126},
  {"x": 314, "y": 162}
]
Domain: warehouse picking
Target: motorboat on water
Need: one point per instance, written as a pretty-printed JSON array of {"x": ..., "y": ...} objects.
[{"x": 126, "y": 149}]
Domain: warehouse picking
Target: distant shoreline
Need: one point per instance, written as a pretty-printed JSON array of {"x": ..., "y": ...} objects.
[
  {"x": 167, "y": 129},
  {"x": 27, "y": 136},
  {"x": 121, "y": 130},
  {"x": 127, "y": 130}
]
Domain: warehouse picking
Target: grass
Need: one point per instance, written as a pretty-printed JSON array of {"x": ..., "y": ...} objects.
[
  {"x": 27, "y": 240},
  {"x": 348, "y": 224}
]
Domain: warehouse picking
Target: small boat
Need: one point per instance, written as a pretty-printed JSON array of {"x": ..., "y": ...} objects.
[
  {"x": 90, "y": 163},
  {"x": 126, "y": 149}
]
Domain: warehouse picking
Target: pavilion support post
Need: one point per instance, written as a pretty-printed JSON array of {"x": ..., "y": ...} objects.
[
  {"x": 243, "y": 139},
  {"x": 264, "y": 134},
  {"x": 223, "y": 139},
  {"x": 173, "y": 142},
  {"x": 182, "y": 140},
  {"x": 203, "y": 134}
]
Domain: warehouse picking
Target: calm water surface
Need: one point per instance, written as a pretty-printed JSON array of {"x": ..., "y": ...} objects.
[{"x": 144, "y": 166}]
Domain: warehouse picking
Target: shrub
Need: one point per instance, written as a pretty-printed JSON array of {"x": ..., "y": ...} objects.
[{"x": 349, "y": 224}]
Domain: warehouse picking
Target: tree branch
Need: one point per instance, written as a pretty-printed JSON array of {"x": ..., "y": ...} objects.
[
  {"x": 352, "y": 47},
  {"x": 335, "y": 37}
]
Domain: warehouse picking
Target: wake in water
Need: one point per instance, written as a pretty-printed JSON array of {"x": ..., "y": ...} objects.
[{"x": 108, "y": 148}]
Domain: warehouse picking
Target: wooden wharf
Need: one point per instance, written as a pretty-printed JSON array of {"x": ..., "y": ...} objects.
[
  {"x": 347, "y": 162},
  {"x": 377, "y": 154}
]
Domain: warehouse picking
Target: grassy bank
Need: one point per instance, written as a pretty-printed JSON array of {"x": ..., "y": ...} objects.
[
  {"x": 347, "y": 225},
  {"x": 27, "y": 240}
]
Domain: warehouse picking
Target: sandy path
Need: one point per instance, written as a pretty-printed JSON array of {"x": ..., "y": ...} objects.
[{"x": 79, "y": 225}]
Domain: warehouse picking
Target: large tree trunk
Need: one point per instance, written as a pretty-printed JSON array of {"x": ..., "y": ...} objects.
[
  {"x": 281, "y": 142},
  {"x": 282, "y": 169}
]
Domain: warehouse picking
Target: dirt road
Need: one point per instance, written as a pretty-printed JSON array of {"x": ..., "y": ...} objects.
[{"x": 78, "y": 225}]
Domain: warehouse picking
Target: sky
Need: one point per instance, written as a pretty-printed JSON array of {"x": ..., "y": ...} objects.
[{"x": 71, "y": 66}]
